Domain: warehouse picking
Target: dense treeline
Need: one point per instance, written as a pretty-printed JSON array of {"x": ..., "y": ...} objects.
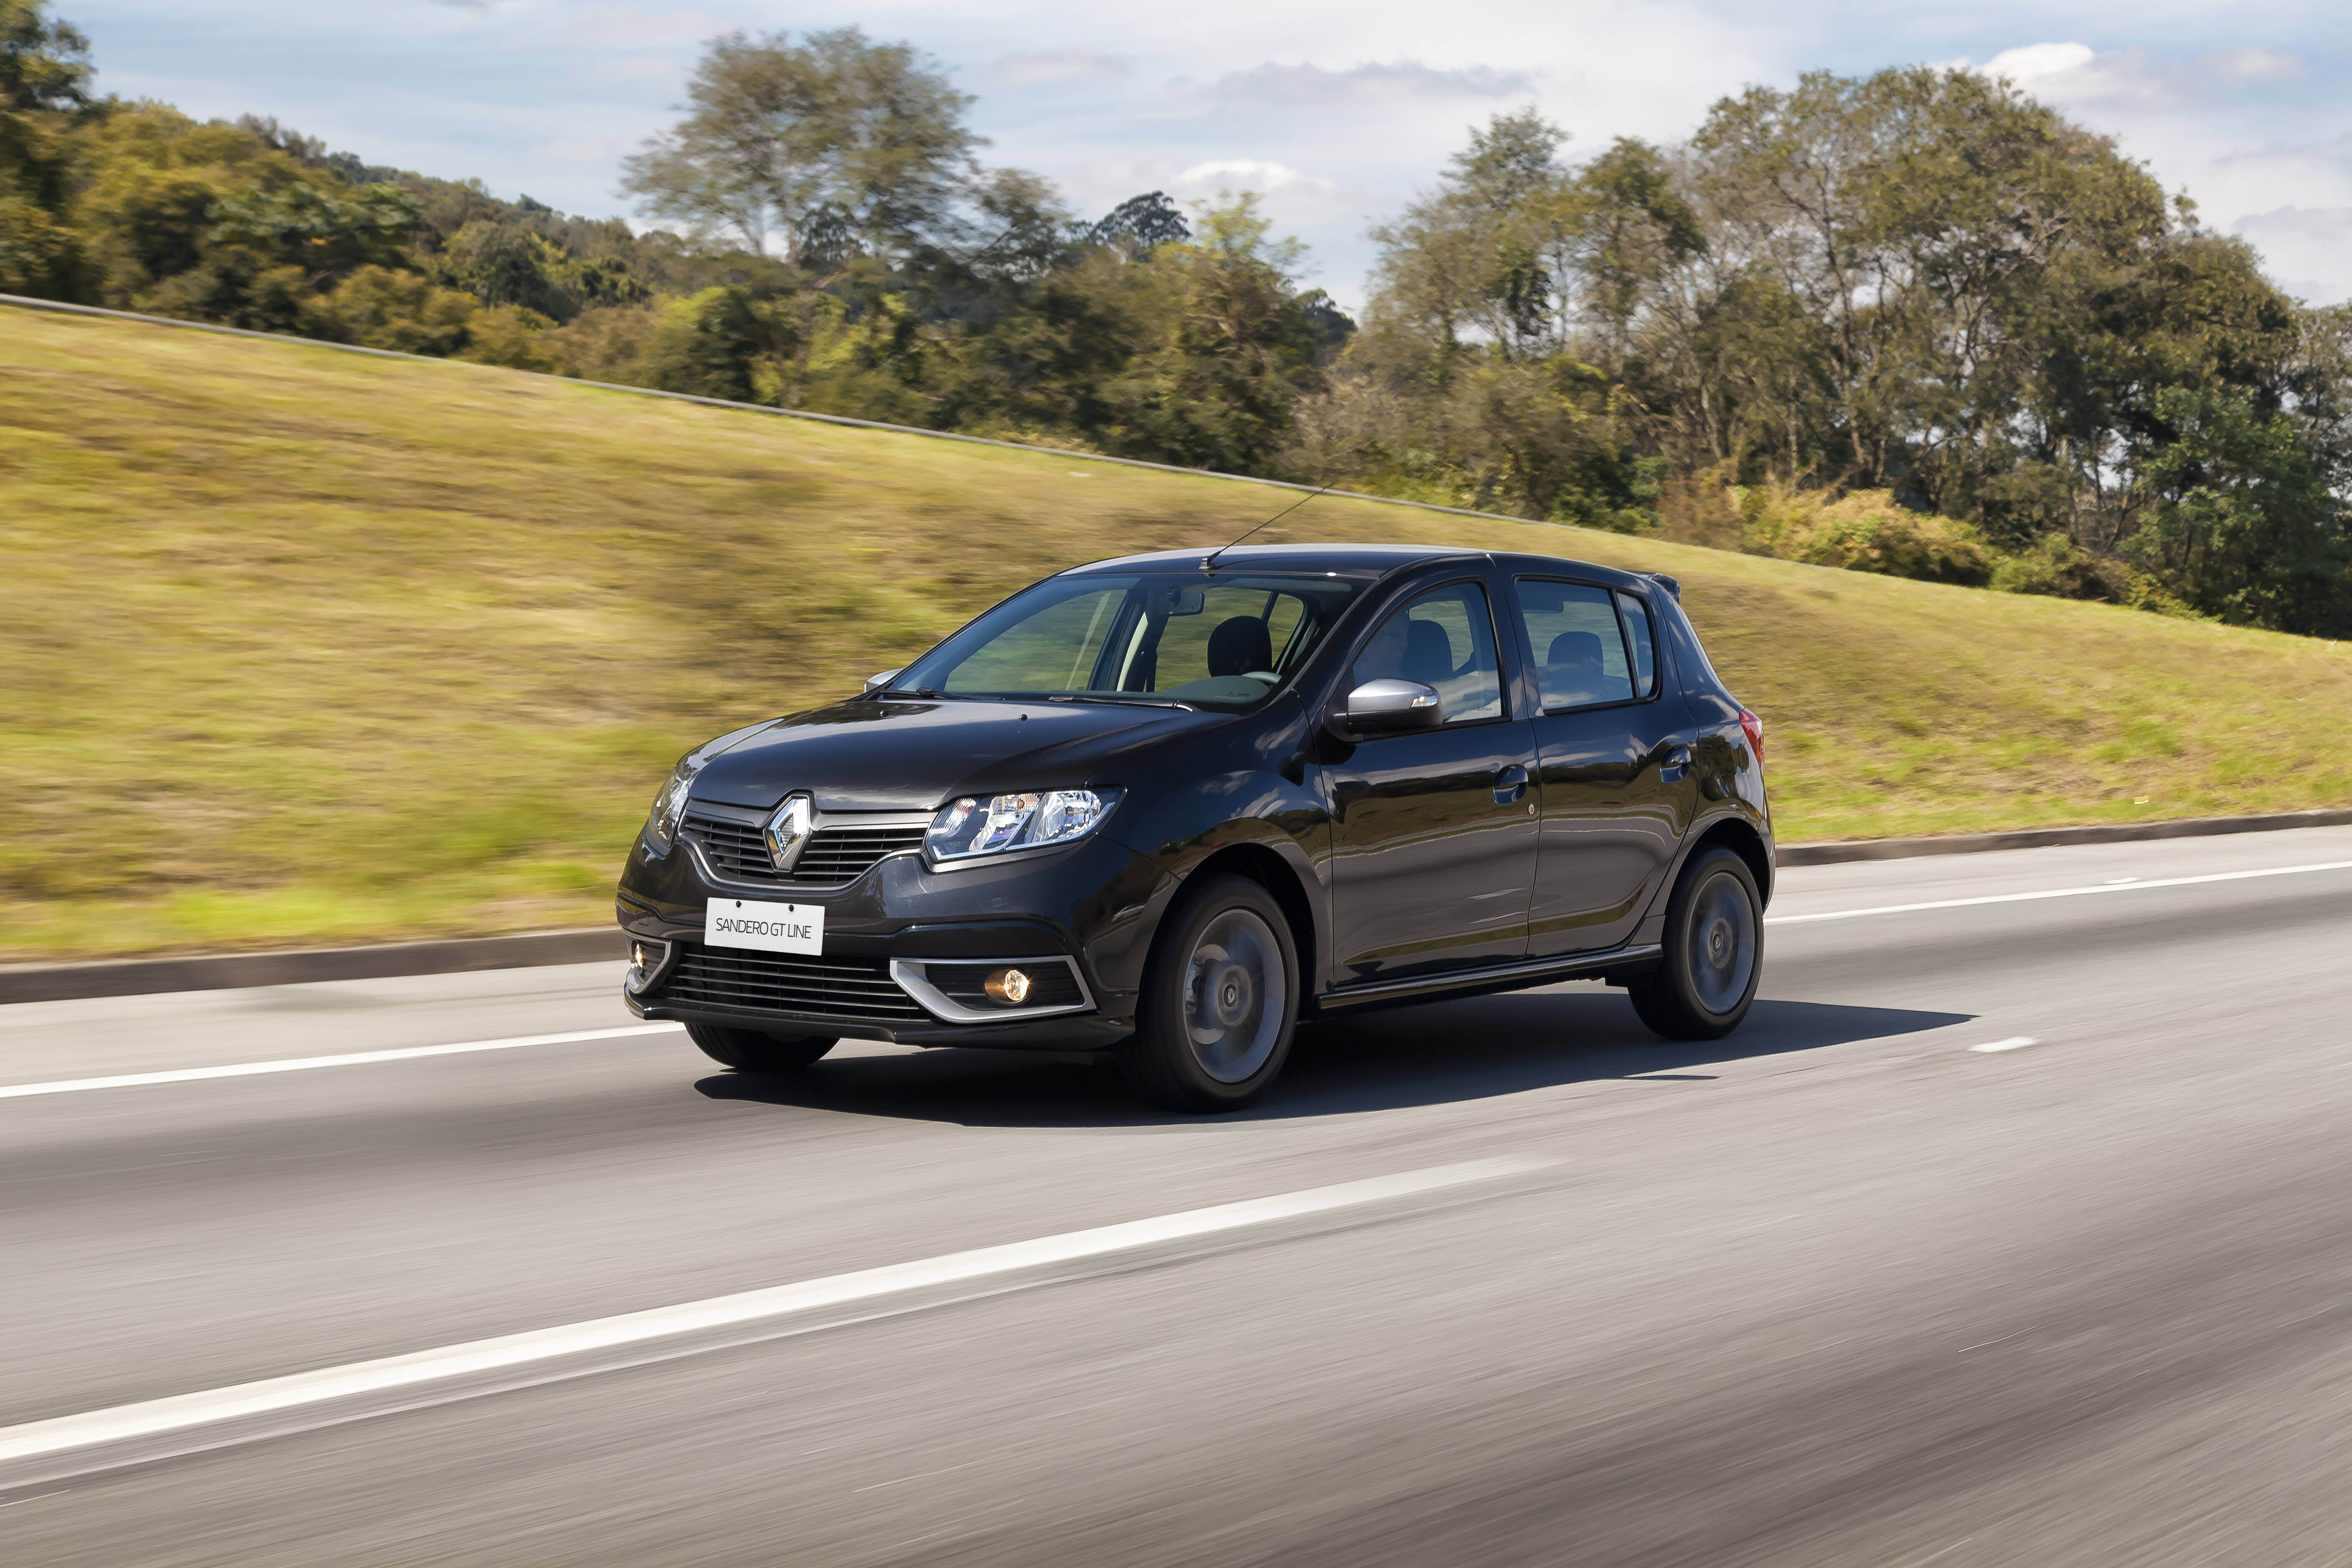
[
  {"x": 1915, "y": 323},
  {"x": 1991, "y": 333}
]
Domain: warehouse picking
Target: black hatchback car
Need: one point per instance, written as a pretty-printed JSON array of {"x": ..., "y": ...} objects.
[{"x": 1170, "y": 805}]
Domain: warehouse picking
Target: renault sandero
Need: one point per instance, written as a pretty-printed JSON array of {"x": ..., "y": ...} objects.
[{"x": 1168, "y": 806}]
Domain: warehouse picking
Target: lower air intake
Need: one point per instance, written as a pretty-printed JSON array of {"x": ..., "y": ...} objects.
[{"x": 853, "y": 990}]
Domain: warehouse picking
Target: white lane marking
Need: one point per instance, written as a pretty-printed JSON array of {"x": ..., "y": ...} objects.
[
  {"x": 213, "y": 1405},
  {"x": 2014, "y": 1043},
  {"x": 303, "y": 1064},
  {"x": 2061, "y": 892},
  {"x": 2119, "y": 881}
]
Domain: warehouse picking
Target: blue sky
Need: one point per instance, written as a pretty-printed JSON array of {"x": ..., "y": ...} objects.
[{"x": 1338, "y": 113}]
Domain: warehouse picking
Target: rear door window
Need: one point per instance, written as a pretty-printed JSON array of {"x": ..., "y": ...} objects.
[{"x": 1580, "y": 645}]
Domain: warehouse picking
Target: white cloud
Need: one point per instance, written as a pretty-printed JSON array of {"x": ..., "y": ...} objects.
[
  {"x": 2253, "y": 65},
  {"x": 2069, "y": 74},
  {"x": 1313, "y": 87},
  {"x": 2075, "y": 75},
  {"x": 1247, "y": 174},
  {"x": 637, "y": 29},
  {"x": 2304, "y": 248},
  {"x": 2039, "y": 62},
  {"x": 1055, "y": 66}
]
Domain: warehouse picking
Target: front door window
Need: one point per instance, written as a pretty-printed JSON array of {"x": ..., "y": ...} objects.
[{"x": 1444, "y": 640}]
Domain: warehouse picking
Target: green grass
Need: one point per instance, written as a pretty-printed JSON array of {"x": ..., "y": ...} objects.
[{"x": 302, "y": 646}]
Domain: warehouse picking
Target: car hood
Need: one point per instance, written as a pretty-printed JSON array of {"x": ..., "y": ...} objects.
[{"x": 901, "y": 755}]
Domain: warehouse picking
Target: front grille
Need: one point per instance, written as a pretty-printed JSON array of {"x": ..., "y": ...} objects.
[
  {"x": 854, "y": 989},
  {"x": 1051, "y": 984},
  {"x": 836, "y": 858},
  {"x": 840, "y": 855}
]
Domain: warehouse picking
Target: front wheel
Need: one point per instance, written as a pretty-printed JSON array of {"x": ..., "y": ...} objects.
[
  {"x": 1220, "y": 1000},
  {"x": 755, "y": 1050},
  {"x": 1714, "y": 952}
]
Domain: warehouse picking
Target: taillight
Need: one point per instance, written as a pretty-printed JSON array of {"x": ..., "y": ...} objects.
[{"x": 1755, "y": 728}]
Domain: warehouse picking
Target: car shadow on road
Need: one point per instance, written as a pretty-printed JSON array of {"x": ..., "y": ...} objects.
[{"x": 1432, "y": 1055}]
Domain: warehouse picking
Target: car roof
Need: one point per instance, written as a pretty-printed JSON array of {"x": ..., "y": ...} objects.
[
  {"x": 1280, "y": 557},
  {"x": 1338, "y": 557}
]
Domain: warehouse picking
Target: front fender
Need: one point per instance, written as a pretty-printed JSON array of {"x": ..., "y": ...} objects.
[{"x": 1259, "y": 810}]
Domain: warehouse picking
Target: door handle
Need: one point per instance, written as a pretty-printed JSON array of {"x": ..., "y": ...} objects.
[
  {"x": 1676, "y": 762},
  {"x": 1510, "y": 783}
]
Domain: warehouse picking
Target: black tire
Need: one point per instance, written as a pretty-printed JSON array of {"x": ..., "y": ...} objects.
[
  {"x": 756, "y": 1050},
  {"x": 1212, "y": 1030},
  {"x": 1705, "y": 983}
]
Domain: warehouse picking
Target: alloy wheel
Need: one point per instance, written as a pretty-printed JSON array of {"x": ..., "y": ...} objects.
[
  {"x": 1722, "y": 943},
  {"x": 1235, "y": 996}
]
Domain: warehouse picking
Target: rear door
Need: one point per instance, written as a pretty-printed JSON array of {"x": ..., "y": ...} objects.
[
  {"x": 1614, "y": 753},
  {"x": 1434, "y": 837}
]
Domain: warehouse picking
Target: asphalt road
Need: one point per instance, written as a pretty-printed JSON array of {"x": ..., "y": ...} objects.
[{"x": 1841, "y": 1290}]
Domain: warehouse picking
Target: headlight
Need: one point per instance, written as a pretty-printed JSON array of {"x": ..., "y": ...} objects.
[
  {"x": 1002, "y": 824},
  {"x": 669, "y": 805}
]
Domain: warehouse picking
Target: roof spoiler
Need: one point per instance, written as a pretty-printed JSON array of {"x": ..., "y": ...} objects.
[{"x": 1669, "y": 584}]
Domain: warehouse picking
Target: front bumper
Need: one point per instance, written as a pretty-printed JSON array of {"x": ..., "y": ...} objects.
[{"x": 1091, "y": 906}]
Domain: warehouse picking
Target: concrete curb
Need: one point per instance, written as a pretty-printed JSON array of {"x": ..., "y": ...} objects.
[
  {"x": 2044, "y": 837},
  {"x": 147, "y": 976}
]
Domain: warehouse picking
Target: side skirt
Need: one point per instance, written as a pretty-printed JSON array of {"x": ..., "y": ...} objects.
[{"x": 1616, "y": 965}]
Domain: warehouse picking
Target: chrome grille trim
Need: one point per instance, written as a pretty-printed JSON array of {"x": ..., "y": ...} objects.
[
  {"x": 733, "y": 848},
  {"x": 913, "y": 974}
]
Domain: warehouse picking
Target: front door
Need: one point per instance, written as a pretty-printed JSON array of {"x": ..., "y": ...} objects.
[
  {"x": 1613, "y": 756},
  {"x": 1434, "y": 837}
]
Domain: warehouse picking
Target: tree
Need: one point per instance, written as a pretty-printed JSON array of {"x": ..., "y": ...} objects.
[
  {"x": 211, "y": 222},
  {"x": 817, "y": 149},
  {"x": 1140, "y": 225},
  {"x": 2241, "y": 525},
  {"x": 43, "y": 90},
  {"x": 45, "y": 65},
  {"x": 1495, "y": 294}
]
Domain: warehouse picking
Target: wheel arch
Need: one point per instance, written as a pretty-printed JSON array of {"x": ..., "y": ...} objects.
[
  {"x": 1739, "y": 835},
  {"x": 1269, "y": 870}
]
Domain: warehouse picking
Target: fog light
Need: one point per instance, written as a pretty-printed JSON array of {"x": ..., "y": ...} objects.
[
  {"x": 1010, "y": 986},
  {"x": 647, "y": 961}
]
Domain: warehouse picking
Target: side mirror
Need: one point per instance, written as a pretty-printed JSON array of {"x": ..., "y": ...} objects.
[
  {"x": 878, "y": 681},
  {"x": 1392, "y": 707}
]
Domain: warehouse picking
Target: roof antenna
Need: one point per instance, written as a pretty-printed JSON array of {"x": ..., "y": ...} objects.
[{"x": 1209, "y": 561}]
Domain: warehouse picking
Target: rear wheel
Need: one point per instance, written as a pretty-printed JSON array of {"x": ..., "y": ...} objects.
[
  {"x": 756, "y": 1050},
  {"x": 1714, "y": 956},
  {"x": 1220, "y": 1001}
]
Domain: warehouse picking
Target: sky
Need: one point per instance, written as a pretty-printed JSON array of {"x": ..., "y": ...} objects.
[{"x": 1337, "y": 113}]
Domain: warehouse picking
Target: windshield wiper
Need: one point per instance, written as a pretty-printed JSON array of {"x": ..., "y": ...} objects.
[
  {"x": 924, "y": 692},
  {"x": 1126, "y": 701}
]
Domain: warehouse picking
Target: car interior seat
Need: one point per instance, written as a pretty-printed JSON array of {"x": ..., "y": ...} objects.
[
  {"x": 1572, "y": 668},
  {"x": 1428, "y": 653},
  {"x": 1239, "y": 645}
]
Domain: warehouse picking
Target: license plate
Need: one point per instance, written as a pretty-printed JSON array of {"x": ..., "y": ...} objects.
[{"x": 769, "y": 928}]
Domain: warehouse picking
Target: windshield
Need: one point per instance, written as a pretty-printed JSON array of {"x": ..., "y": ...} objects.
[{"x": 1221, "y": 641}]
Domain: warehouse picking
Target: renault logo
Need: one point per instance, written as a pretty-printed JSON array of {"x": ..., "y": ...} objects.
[{"x": 788, "y": 831}]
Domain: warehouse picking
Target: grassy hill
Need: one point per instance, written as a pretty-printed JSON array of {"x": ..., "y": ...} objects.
[{"x": 307, "y": 646}]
